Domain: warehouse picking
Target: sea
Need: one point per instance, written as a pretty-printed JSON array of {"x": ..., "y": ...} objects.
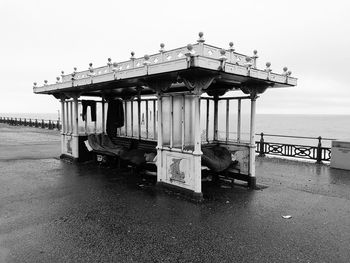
[{"x": 326, "y": 126}]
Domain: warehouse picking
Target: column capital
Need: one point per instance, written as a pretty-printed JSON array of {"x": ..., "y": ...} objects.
[
  {"x": 253, "y": 89},
  {"x": 67, "y": 95},
  {"x": 197, "y": 84},
  {"x": 138, "y": 90},
  {"x": 61, "y": 96},
  {"x": 159, "y": 86}
]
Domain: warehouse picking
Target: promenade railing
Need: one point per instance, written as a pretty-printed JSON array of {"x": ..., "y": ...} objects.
[
  {"x": 316, "y": 152},
  {"x": 38, "y": 123}
]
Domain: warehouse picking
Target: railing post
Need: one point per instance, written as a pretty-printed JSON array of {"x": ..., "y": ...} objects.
[
  {"x": 58, "y": 125},
  {"x": 319, "y": 150},
  {"x": 261, "y": 149},
  {"x": 49, "y": 125},
  {"x": 36, "y": 123},
  {"x": 42, "y": 124}
]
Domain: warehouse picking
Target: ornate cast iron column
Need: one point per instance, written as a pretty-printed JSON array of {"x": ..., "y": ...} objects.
[
  {"x": 197, "y": 85},
  {"x": 252, "y": 181},
  {"x": 160, "y": 86},
  {"x": 75, "y": 128},
  {"x": 252, "y": 89}
]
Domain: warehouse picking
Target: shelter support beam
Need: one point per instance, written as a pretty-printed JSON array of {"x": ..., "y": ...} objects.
[
  {"x": 63, "y": 125},
  {"x": 146, "y": 119},
  {"x": 239, "y": 121},
  {"x": 160, "y": 173},
  {"x": 126, "y": 117},
  {"x": 227, "y": 120},
  {"x": 216, "y": 114},
  {"x": 252, "y": 179},
  {"x": 178, "y": 165},
  {"x": 154, "y": 120},
  {"x": 139, "y": 117},
  {"x": 207, "y": 122},
  {"x": 75, "y": 128},
  {"x": 103, "y": 116},
  {"x": 197, "y": 147}
]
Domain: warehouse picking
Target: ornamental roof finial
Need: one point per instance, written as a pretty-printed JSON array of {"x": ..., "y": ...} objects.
[
  {"x": 146, "y": 62},
  {"x": 161, "y": 50},
  {"x": 58, "y": 79},
  {"x": 201, "y": 39},
  {"x": 222, "y": 54},
  {"x": 268, "y": 65},
  {"x": 109, "y": 62},
  {"x": 285, "y": 71},
  {"x": 249, "y": 61},
  {"x": 231, "y": 47},
  {"x": 132, "y": 55},
  {"x": 190, "y": 51},
  {"x": 91, "y": 69},
  {"x": 115, "y": 66},
  {"x": 74, "y": 73},
  {"x": 45, "y": 82}
]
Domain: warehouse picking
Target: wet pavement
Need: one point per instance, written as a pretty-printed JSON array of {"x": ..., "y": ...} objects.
[{"x": 52, "y": 211}]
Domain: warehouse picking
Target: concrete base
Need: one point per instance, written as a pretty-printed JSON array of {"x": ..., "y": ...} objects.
[{"x": 186, "y": 193}]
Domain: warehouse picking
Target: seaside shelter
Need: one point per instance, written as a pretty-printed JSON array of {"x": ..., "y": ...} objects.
[{"x": 183, "y": 105}]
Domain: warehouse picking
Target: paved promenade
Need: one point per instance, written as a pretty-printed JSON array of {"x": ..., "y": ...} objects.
[{"x": 52, "y": 211}]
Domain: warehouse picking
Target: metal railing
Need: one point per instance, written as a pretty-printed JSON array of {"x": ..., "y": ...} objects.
[
  {"x": 37, "y": 123},
  {"x": 318, "y": 153},
  {"x": 313, "y": 152}
]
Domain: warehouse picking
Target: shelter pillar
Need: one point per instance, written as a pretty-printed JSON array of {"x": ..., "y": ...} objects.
[
  {"x": 75, "y": 128},
  {"x": 103, "y": 101},
  {"x": 63, "y": 125},
  {"x": 216, "y": 115},
  {"x": 197, "y": 153},
  {"x": 179, "y": 147},
  {"x": 252, "y": 178},
  {"x": 159, "y": 138},
  {"x": 159, "y": 87},
  {"x": 252, "y": 90}
]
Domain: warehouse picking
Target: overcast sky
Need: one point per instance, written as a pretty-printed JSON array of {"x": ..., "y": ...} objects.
[{"x": 311, "y": 38}]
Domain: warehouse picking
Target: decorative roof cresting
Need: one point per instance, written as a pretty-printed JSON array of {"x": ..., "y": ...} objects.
[{"x": 225, "y": 60}]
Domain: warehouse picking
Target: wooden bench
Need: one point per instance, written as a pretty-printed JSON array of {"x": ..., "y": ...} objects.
[{"x": 130, "y": 144}]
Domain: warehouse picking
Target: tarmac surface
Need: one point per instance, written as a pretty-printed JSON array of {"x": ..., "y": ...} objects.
[{"x": 54, "y": 211}]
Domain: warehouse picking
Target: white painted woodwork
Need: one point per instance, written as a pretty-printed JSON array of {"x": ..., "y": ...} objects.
[
  {"x": 252, "y": 138},
  {"x": 239, "y": 122},
  {"x": 75, "y": 125}
]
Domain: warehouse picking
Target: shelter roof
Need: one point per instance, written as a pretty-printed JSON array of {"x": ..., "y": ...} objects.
[{"x": 230, "y": 70}]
